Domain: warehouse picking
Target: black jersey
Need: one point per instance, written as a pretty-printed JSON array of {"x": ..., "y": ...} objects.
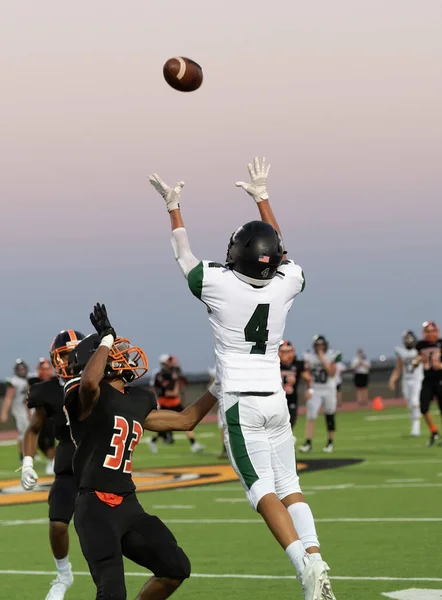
[
  {"x": 428, "y": 351},
  {"x": 49, "y": 396},
  {"x": 290, "y": 375},
  {"x": 106, "y": 439}
]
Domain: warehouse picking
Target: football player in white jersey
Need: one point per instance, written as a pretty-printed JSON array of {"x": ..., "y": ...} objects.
[
  {"x": 247, "y": 300},
  {"x": 15, "y": 401},
  {"x": 412, "y": 376},
  {"x": 322, "y": 363}
]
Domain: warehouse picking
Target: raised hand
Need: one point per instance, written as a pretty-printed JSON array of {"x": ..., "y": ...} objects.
[
  {"x": 257, "y": 188},
  {"x": 171, "y": 195},
  {"x": 100, "y": 321}
]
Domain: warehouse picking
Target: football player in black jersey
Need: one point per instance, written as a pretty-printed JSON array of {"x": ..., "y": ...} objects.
[
  {"x": 107, "y": 418},
  {"x": 292, "y": 370},
  {"x": 46, "y": 398},
  {"x": 430, "y": 355}
]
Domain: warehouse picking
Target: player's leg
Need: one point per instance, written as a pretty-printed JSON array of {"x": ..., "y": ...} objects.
[
  {"x": 426, "y": 396},
  {"x": 61, "y": 508},
  {"x": 289, "y": 493},
  {"x": 438, "y": 394},
  {"x": 223, "y": 453},
  {"x": 21, "y": 424},
  {"x": 150, "y": 544},
  {"x": 99, "y": 530},
  {"x": 313, "y": 405},
  {"x": 330, "y": 404},
  {"x": 413, "y": 394},
  {"x": 249, "y": 450}
]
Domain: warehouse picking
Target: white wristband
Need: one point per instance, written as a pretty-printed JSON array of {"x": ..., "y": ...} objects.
[
  {"x": 310, "y": 391},
  {"x": 28, "y": 461},
  {"x": 108, "y": 341}
]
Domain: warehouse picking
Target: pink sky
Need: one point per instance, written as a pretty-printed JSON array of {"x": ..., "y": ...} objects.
[{"x": 343, "y": 98}]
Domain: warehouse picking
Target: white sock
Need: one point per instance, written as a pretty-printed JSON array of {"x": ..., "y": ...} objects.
[
  {"x": 295, "y": 551},
  {"x": 304, "y": 523},
  {"x": 415, "y": 413},
  {"x": 63, "y": 564}
]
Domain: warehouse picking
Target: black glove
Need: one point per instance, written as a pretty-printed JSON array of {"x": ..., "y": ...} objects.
[{"x": 100, "y": 321}]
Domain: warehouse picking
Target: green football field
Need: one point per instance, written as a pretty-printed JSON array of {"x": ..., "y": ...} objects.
[{"x": 379, "y": 520}]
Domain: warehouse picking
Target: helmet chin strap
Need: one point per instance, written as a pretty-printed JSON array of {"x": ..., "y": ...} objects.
[{"x": 256, "y": 282}]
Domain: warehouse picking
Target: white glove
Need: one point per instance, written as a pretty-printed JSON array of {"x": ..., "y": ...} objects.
[
  {"x": 29, "y": 477},
  {"x": 171, "y": 195},
  {"x": 257, "y": 188}
]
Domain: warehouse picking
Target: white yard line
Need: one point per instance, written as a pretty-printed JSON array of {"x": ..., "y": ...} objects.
[
  {"x": 403, "y": 480},
  {"x": 231, "y": 576}
]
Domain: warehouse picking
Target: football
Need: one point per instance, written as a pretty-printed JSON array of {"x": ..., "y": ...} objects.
[{"x": 183, "y": 74}]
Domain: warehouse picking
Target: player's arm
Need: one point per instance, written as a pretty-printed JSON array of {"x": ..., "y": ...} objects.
[
  {"x": 168, "y": 420},
  {"x": 180, "y": 242},
  {"x": 7, "y": 402},
  {"x": 257, "y": 188},
  {"x": 395, "y": 374},
  {"x": 93, "y": 372}
]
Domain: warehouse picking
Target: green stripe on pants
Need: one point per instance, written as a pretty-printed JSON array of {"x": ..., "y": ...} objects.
[{"x": 238, "y": 446}]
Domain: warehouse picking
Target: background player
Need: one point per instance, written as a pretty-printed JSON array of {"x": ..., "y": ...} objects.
[
  {"x": 322, "y": 365},
  {"x": 429, "y": 355},
  {"x": 412, "y": 375},
  {"x": 46, "y": 438},
  {"x": 340, "y": 369},
  {"x": 168, "y": 383},
  {"x": 107, "y": 419},
  {"x": 15, "y": 401},
  {"x": 45, "y": 399},
  {"x": 248, "y": 300},
  {"x": 292, "y": 370}
]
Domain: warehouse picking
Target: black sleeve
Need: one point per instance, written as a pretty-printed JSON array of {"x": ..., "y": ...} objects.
[
  {"x": 419, "y": 346},
  {"x": 36, "y": 397},
  {"x": 72, "y": 396},
  {"x": 151, "y": 402},
  {"x": 301, "y": 366}
]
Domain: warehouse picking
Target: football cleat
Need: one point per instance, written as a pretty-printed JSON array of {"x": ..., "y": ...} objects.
[
  {"x": 307, "y": 447},
  {"x": 60, "y": 586},
  {"x": 328, "y": 448},
  {"x": 434, "y": 437},
  {"x": 197, "y": 447},
  {"x": 152, "y": 445},
  {"x": 314, "y": 580}
]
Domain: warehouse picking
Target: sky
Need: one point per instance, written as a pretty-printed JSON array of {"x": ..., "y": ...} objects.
[{"x": 342, "y": 97}]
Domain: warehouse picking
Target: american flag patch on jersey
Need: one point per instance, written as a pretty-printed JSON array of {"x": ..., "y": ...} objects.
[{"x": 263, "y": 258}]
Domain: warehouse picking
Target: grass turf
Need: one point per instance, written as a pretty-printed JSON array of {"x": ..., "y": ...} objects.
[{"x": 399, "y": 480}]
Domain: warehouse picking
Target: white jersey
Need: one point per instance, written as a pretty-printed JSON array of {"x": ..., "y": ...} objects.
[
  {"x": 247, "y": 323},
  {"x": 409, "y": 373},
  {"x": 320, "y": 377},
  {"x": 340, "y": 368},
  {"x": 21, "y": 386}
]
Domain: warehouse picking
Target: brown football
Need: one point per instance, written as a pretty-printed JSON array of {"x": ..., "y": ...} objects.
[{"x": 183, "y": 74}]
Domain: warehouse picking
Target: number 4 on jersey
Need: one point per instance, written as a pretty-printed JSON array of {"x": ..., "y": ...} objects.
[
  {"x": 256, "y": 329},
  {"x": 118, "y": 443}
]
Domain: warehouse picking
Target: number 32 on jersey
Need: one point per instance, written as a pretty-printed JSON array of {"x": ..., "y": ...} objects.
[{"x": 118, "y": 444}]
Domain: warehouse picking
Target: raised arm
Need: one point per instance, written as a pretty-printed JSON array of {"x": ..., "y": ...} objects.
[
  {"x": 168, "y": 420},
  {"x": 257, "y": 188},
  {"x": 93, "y": 372},
  {"x": 180, "y": 242}
]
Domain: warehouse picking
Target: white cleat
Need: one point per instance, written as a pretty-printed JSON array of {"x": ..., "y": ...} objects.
[
  {"x": 152, "y": 445},
  {"x": 305, "y": 448},
  {"x": 415, "y": 429},
  {"x": 328, "y": 448},
  {"x": 314, "y": 580},
  {"x": 197, "y": 447},
  {"x": 60, "y": 586}
]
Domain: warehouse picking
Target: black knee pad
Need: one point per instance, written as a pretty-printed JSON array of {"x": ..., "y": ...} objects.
[{"x": 330, "y": 422}]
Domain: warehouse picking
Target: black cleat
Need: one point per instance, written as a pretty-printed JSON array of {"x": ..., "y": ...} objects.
[{"x": 434, "y": 437}]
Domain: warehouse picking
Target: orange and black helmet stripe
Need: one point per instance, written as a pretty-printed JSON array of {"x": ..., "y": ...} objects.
[{"x": 72, "y": 335}]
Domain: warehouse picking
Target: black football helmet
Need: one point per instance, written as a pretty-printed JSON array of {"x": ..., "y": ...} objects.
[
  {"x": 255, "y": 252},
  {"x": 409, "y": 339},
  {"x": 320, "y": 339},
  {"x": 62, "y": 344},
  {"x": 125, "y": 361}
]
